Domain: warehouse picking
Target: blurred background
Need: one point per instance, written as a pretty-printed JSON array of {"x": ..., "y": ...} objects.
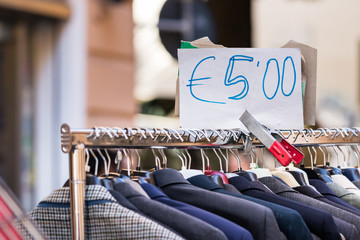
[{"x": 113, "y": 63}]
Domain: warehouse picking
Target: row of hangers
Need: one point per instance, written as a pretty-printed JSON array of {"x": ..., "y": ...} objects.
[{"x": 112, "y": 172}]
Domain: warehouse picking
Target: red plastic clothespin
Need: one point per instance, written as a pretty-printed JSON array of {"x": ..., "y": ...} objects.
[{"x": 283, "y": 151}]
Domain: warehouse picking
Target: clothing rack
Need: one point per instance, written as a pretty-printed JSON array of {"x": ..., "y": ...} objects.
[{"x": 74, "y": 142}]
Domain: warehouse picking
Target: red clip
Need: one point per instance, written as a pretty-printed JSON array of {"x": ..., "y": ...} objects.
[
  {"x": 280, "y": 153},
  {"x": 279, "y": 147},
  {"x": 294, "y": 153}
]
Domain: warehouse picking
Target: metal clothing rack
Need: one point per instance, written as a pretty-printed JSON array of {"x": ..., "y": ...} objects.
[{"x": 74, "y": 142}]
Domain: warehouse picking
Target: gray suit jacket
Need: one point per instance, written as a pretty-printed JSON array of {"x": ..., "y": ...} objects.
[
  {"x": 259, "y": 220},
  {"x": 347, "y": 230},
  {"x": 184, "y": 224},
  {"x": 345, "y": 194}
]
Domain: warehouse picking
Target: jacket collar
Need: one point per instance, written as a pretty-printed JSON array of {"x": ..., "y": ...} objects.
[
  {"x": 275, "y": 185},
  {"x": 92, "y": 193},
  {"x": 168, "y": 176}
]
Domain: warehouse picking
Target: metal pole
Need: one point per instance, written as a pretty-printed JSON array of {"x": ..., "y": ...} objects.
[{"x": 77, "y": 191}]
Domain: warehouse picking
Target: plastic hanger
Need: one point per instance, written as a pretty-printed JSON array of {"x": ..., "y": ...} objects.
[
  {"x": 248, "y": 175},
  {"x": 221, "y": 174},
  {"x": 115, "y": 176},
  {"x": 314, "y": 172},
  {"x": 336, "y": 170},
  {"x": 148, "y": 176},
  {"x": 188, "y": 173},
  {"x": 260, "y": 172},
  {"x": 92, "y": 179},
  {"x": 240, "y": 172},
  {"x": 254, "y": 167},
  {"x": 106, "y": 182}
]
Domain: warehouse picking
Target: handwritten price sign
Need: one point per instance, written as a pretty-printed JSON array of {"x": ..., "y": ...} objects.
[{"x": 217, "y": 85}]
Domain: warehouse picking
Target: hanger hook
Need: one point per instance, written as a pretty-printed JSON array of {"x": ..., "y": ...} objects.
[
  {"x": 206, "y": 157},
  {"x": 311, "y": 158},
  {"x": 202, "y": 159},
  {"x": 324, "y": 156},
  {"x": 237, "y": 158},
  {"x": 226, "y": 160},
  {"x": 138, "y": 159},
  {"x": 337, "y": 155},
  {"x": 182, "y": 160},
  {"x": 262, "y": 157},
  {"x": 315, "y": 155},
  {"x": 127, "y": 161},
  {"x": 96, "y": 162},
  {"x": 357, "y": 155},
  {"x": 189, "y": 157},
  {"x": 219, "y": 158},
  {"x": 156, "y": 159},
  {"x": 87, "y": 156},
  {"x": 109, "y": 160},
  {"x": 252, "y": 152},
  {"x": 343, "y": 154},
  {"x": 105, "y": 163},
  {"x": 164, "y": 158},
  {"x": 118, "y": 159},
  {"x": 184, "y": 157}
]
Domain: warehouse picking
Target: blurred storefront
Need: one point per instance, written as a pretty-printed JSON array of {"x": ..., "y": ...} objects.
[
  {"x": 61, "y": 61},
  {"x": 108, "y": 63}
]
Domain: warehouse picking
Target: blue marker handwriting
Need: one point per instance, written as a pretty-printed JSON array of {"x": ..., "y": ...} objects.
[{"x": 231, "y": 80}]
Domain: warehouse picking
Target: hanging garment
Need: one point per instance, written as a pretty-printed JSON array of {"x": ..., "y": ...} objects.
[
  {"x": 329, "y": 194},
  {"x": 356, "y": 183},
  {"x": 284, "y": 190},
  {"x": 295, "y": 172},
  {"x": 320, "y": 223},
  {"x": 259, "y": 220},
  {"x": 287, "y": 177},
  {"x": 104, "y": 217},
  {"x": 283, "y": 215},
  {"x": 313, "y": 193},
  {"x": 137, "y": 187},
  {"x": 345, "y": 183},
  {"x": 351, "y": 173},
  {"x": 345, "y": 194},
  {"x": 231, "y": 188},
  {"x": 230, "y": 229},
  {"x": 184, "y": 224}
]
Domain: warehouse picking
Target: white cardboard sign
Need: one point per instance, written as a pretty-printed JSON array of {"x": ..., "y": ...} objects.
[{"x": 217, "y": 85}]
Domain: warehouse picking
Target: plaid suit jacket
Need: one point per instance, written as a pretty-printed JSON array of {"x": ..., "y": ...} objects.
[{"x": 104, "y": 217}]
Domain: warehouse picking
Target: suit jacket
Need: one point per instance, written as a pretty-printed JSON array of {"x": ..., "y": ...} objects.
[
  {"x": 104, "y": 217},
  {"x": 230, "y": 229},
  {"x": 319, "y": 222},
  {"x": 184, "y": 224},
  {"x": 345, "y": 183},
  {"x": 287, "y": 192},
  {"x": 313, "y": 193},
  {"x": 345, "y": 194},
  {"x": 352, "y": 174},
  {"x": 356, "y": 183},
  {"x": 136, "y": 186},
  {"x": 285, "y": 217},
  {"x": 326, "y": 191},
  {"x": 259, "y": 220},
  {"x": 231, "y": 188}
]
